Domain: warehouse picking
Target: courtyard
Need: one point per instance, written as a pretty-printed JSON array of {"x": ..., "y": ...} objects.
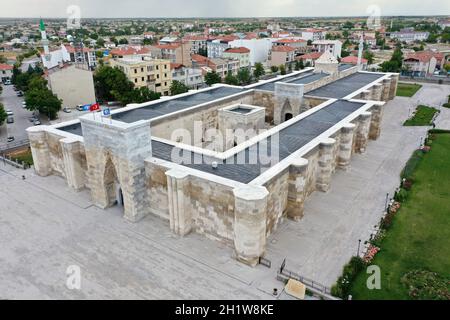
[{"x": 48, "y": 228}]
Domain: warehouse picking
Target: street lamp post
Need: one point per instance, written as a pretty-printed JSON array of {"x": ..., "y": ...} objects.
[
  {"x": 387, "y": 202},
  {"x": 359, "y": 247}
]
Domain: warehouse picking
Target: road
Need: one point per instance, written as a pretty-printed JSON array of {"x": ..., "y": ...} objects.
[{"x": 11, "y": 101}]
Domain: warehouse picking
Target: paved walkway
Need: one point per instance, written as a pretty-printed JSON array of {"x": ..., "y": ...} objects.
[
  {"x": 45, "y": 227},
  {"x": 325, "y": 240}
]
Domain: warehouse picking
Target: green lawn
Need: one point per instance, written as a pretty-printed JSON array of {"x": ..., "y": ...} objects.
[
  {"x": 419, "y": 238},
  {"x": 423, "y": 116},
  {"x": 407, "y": 89}
]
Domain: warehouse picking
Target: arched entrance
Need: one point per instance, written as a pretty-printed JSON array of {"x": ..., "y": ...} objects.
[
  {"x": 114, "y": 195},
  {"x": 286, "y": 111}
]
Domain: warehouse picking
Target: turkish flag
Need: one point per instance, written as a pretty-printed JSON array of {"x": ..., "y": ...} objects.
[{"x": 94, "y": 107}]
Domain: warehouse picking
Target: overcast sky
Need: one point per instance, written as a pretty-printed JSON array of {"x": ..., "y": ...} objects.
[{"x": 219, "y": 8}]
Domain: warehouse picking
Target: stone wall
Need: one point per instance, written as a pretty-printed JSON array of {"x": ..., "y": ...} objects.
[
  {"x": 277, "y": 201},
  {"x": 207, "y": 115}
]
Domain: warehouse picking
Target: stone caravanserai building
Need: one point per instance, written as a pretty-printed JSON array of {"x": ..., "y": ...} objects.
[{"x": 315, "y": 120}]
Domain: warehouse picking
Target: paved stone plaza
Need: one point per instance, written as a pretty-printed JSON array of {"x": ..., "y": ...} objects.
[{"x": 46, "y": 227}]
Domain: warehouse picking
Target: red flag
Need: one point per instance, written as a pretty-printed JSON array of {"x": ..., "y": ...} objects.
[{"x": 94, "y": 107}]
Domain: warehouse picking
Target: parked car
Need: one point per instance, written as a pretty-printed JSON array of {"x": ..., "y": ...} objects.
[
  {"x": 9, "y": 112},
  {"x": 33, "y": 119},
  {"x": 10, "y": 139},
  {"x": 80, "y": 107},
  {"x": 24, "y": 105},
  {"x": 67, "y": 110},
  {"x": 37, "y": 123},
  {"x": 10, "y": 119},
  {"x": 7, "y": 82},
  {"x": 19, "y": 93}
]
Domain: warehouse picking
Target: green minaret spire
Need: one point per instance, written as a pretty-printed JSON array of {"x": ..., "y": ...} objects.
[{"x": 41, "y": 25}]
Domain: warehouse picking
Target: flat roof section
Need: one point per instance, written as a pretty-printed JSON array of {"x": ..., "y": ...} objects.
[
  {"x": 170, "y": 106},
  {"x": 345, "y": 86},
  {"x": 291, "y": 139}
]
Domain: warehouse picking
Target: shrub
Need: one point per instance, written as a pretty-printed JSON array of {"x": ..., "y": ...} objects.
[
  {"x": 407, "y": 184},
  {"x": 446, "y": 105},
  {"x": 342, "y": 287},
  {"x": 426, "y": 285},
  {"x": 401, "y": 196}
]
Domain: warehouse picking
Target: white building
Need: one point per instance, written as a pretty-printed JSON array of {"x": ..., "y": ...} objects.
[
  {"x": 408, "y": 35},
  {"x": 314, "y": 34},
  {"x": 259, "y": 48},
  {"x": 55, "y": 57},
  {"x": 191, "y": 77},
  {"x": 332, "y": 46}
]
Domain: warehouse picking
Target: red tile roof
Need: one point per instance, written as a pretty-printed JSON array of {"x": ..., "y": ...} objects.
[
  {"x": 128, "y": 51},
  {"x": 283, "y": 49},
  {"x": 175, "y": 66},
  {"x": 71, "y": 49},
  {"x": 424, "y": 56},
  {"x": 291, "y": 41},
  {"x": 238, "y": 50},
  {"x": 310, "y": 56},
  {"x": 172, "y": 46},
  {"x": 4, "y": 67},
  {"x": 353, "y": 60}
]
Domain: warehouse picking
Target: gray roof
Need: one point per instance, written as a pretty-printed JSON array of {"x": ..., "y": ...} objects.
[
  {"x": 343, "y": 87},
  {"x": 291, "y": 139},
  {"x": 170, "y": 106}
]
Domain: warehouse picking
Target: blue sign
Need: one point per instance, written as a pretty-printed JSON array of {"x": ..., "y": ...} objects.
[
  {"x": 106, "y": 112},
  {"x": 105, "y": 53},
  {"x": 86, "y": 107}
]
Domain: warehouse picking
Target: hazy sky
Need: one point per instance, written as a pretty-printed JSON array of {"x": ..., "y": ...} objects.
[{"x": 219, "y": 8}]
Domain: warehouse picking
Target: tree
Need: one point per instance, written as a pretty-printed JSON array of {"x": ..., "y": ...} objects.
[
  {"x": 282, "y": 70},
  {"x": 3, "y": 114},
  {"x": 369, "y": 56},
  {"x": 39, "y": 98},
  {"x": 212, "y": 78},
  {"x": 111, "y": 83},
  {"x": 259, "y": 70},
  {"x": 396, "y": 62},
  {"x": 100, "y": 42},
  {"x": 231, "y": 79},
  {"x": 274, "y": 69},
  {"x": 138, "y": 95},
  {"x": 123, "y": 41},
  {"x": 178, "y": 87},
  {"x": 244, "y": 76}
]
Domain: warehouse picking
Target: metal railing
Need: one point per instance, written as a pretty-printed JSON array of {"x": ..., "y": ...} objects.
[
  {"x": 306, "y": 281},
  {"x": 14, "y": 145}
]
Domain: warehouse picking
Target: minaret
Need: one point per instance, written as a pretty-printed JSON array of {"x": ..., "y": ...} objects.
[
  {"x": 44, "y": 40},
  {"x": 361, "y": 49}
]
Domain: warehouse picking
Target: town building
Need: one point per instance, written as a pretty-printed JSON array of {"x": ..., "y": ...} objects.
[
  {"x": 216, "y": 47},
  {"x": 221, "y": 66},
  {"x": 420, "y": 64},
  {"x": 191, "y": 77},
  {"x": 332, "y": 46},
  {"x": 281, "y": 55},
  {"x": 73, "y": 84},
  {"x": 177, "y": 52},
  {"x": 309, "y": 59},
  {"x": 313, "y": 34},
  {"x": 83, "y": 55},
  {"x": 259, "y": 48},
  {"x": 144, "y": 71},
  {"x": 6, "y": 72},
  {"x": 198, "y": 43},
  {"x": 240, "y": 53},
  {"x": 353, "y": 60},
  {"x": 299, "y": 44},
  {"x": 409, "y": 35},
  {"x": 129, "y": 52}
]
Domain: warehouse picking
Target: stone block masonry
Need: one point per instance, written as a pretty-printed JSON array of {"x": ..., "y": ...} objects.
[{"x": 116, "y": 162}]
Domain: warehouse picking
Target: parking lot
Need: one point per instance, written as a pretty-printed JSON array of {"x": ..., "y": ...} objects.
[{"x": 12, "y": 102}]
